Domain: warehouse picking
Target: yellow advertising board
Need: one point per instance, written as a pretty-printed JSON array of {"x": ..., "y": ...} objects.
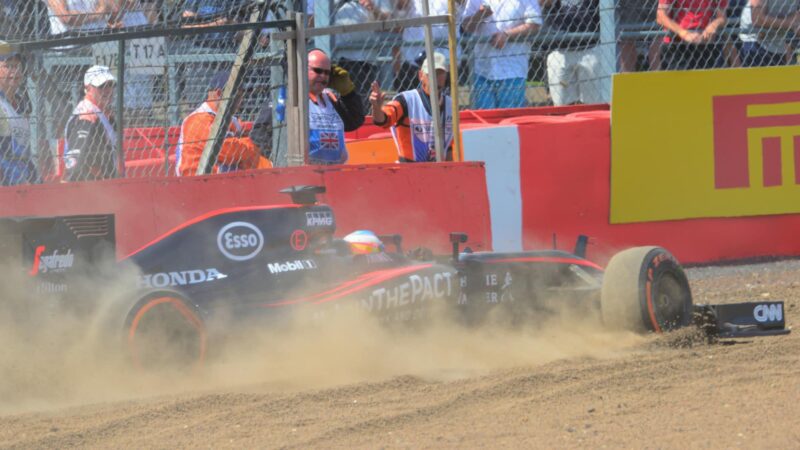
[{"x": 708, "y": 143}]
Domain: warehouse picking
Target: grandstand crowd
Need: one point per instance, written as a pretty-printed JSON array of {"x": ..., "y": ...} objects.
[{"x": 511, "y": 53}]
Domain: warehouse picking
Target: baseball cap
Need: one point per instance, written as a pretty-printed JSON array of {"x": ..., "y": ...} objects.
[
  {"x": 7, "y": 51},
  {"x": 98, "y": 76},
  {"x": 439, "y": 62}
]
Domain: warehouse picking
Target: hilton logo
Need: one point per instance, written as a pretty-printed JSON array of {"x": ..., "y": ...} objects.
[{"x": 734, "y": 117}]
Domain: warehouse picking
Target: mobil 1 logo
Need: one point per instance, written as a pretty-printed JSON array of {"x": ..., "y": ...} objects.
[{"x": 240, "y": 241}]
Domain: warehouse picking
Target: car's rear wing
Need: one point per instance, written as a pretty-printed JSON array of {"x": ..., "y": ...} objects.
[{"x": 741, "y": 319}]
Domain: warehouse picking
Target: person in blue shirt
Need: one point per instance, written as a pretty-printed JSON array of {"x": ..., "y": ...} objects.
[{"x": 16, "y": 159}]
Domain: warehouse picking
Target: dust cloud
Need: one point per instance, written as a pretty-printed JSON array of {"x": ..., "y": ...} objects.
[
  {"x": 354, "y": 347},
  {"x": 53, "y": 358}
]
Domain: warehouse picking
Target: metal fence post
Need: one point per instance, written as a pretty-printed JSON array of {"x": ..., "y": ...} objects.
[
  {"x": 452, "y": 44},
  {"x": 292, "y": 100},
  {"x": 432, "y": 86},
  {"x": 608, "y": 36},
  {"x": 322, "y": 18},
  {"x": 120, "y": 119},
  {"x": 298, "y": 71},
  {"x": 302, "y": 90},
  {"x": 278, "y": 143},
  {"x": 222, "y": 119}
]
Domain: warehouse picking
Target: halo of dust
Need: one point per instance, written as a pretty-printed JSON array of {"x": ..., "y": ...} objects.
[{"x": 349, "y": 381}]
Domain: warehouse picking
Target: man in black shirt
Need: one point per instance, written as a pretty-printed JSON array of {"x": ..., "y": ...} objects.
[{"x": 90, "y": 148}]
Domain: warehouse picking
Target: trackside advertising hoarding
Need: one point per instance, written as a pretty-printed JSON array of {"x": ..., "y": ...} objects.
[{"x": 709, "y": 143}]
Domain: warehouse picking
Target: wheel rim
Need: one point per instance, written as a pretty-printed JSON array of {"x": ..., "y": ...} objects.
[
  {"x": 166, "y": 334},
  {"x": 669, "y": 301}
]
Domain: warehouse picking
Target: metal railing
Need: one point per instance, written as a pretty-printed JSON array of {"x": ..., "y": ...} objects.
[{"x": 567, "y": 57}]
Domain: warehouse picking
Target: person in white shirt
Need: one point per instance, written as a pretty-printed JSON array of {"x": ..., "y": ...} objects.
[
  {"x": 500, "y": 65},
  {"x": 356, "y": 52},
  {"x": 414, "y": 38},
  {"x": 768, "y": 32},
  {"x": 67, "y": 15}
]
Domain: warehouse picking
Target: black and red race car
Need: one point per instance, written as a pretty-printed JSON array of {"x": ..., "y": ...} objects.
[{"x": 171, "y": 299}]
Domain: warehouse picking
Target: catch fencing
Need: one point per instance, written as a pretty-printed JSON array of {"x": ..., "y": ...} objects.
[{"x": 509, "y": 53}]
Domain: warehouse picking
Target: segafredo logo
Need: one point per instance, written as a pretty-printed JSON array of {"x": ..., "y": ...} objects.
[
  {"x": 772, "y": 312},
  {"x": 240, "y": 241},
  {"x": 54, "y": 262},
  {"x": 182, "y": 278},
  {"x": 292, "y": 266}
]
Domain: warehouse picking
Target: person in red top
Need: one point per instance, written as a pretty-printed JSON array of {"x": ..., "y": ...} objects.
[
  {"x": 694, "y": 27},
  {"x": 238, "y": 152}
]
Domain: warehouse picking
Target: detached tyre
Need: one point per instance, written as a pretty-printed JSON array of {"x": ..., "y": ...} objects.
[
  {"x": 645, "y": 290},
  {"x": 164, "y": 331}
]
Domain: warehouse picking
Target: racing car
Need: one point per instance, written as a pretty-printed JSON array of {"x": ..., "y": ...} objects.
[{"x": 262, "y": 263}]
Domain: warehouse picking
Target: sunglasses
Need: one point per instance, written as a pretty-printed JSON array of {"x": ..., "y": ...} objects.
[{"x": 320, "y": 71}]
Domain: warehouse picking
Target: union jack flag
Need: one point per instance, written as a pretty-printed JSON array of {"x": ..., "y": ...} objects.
[{"x": 328, "y": 140}]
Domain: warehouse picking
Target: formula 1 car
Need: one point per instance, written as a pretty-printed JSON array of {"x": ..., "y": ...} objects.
[{"x": 261, "y": 263}]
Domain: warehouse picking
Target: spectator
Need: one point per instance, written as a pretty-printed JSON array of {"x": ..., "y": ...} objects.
[
  {"x": 501, "y": 64},
  {"x": 68, "y": 15},
  {"x": 195, "y": 76},
  {"x": 90, "y": 145},
  {"x": 331, "y": 112},
  {"x": 693, "y": 41},
  {"x": 767, "y": 27},
  {"x": 207, "y": 13},
  {"x": 410, "y": 118},
  {"x": 238, "y": 152},
  {"x": 414, "y": 37},
  {"x": 355, "y": 52},
  {"x": 577, "y": 73},
  {"x": 140, "y": 81},
  {"x": 23, "y": 20},
  {"x": 16, "y": 159},
  {"x": 635, "y": 15}
]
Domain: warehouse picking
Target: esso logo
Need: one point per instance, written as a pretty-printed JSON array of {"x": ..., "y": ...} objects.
[{"x": 240, "y": 241}]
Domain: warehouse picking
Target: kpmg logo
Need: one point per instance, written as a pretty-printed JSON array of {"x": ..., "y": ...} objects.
[
  {"x": 776, "y": 115},
  {"x": 319, "y": 219}
]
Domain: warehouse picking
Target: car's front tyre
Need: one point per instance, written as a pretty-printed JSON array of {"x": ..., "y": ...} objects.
[{"x": 645, "y": 290}]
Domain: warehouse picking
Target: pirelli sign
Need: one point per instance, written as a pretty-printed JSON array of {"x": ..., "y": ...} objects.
[{"x": 709, "y": 143}]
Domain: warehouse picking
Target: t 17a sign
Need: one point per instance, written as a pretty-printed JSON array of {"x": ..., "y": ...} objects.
[{"x": 142, "y": 56}]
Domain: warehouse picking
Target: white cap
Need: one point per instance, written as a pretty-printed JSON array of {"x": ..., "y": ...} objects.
[
  {"x": 98, "y": 76},
  {"x": 439, "y": 62}
]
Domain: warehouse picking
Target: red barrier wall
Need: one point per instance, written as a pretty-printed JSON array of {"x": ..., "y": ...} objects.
[
  {"x": 423, "y": 202},
  {"x": 489, "y": 116},
  {"x": 565, "y": 170}
]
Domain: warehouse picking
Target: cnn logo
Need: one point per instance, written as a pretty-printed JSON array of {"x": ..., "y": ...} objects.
[
  {"x": 768, "y": 313},
  {"x": 734, "y": 117}
]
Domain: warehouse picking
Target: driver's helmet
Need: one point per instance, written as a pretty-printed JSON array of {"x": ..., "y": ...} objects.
[{"x": 363, "y": 242}]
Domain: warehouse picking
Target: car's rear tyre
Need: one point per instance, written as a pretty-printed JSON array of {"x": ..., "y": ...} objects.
[
  {"x": 645, "y": 290},
  {"x": 164, "y": 332}
]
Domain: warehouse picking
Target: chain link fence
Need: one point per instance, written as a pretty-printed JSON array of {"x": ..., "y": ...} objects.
[
  {"x": 511, "y": 53},
  {"x": 71, "y": 114}
]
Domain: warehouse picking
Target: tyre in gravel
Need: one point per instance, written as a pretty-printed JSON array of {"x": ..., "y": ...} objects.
[
  {"x": 163, "y": 331},
  {"x": 645, "y": 290}
]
